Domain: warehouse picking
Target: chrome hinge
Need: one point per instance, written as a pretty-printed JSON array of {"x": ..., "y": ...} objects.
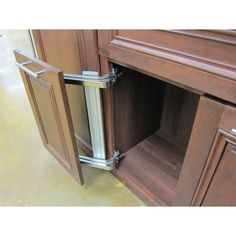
[
  {"x": 92, "y": 79},
  {"x": 233, "y": 131},
  {"x": 108, "y": 164}
]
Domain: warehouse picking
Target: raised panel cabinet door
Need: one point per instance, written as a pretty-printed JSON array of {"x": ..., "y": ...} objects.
[
  {"x": 217, "y": 184},
  {"x": 46, "y": 91}
]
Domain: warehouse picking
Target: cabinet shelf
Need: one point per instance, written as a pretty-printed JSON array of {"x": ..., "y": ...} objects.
[{"x": 151, "y": 169}]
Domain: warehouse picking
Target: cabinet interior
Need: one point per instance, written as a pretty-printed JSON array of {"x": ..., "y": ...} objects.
[{"x": 153, "y": 121}]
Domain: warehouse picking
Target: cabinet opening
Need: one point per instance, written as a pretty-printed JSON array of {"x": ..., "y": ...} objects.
[{"x": 154, "y": 120}]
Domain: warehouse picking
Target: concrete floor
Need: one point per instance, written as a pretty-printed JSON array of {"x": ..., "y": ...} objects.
[{"x": 29, "y": 175}]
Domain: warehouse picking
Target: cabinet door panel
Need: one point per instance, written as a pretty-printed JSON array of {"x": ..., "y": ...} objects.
[
  {"x": 48, "y": 99},
  {"x": 222, "y": 188},
  {"x": 217, "y": 184}
]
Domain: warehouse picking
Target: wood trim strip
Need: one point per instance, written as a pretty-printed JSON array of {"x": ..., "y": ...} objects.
[
  {"x": 223, "y": 36},
  {"x": 108, "y": 111},
  {"x": 39, "y": 45}
]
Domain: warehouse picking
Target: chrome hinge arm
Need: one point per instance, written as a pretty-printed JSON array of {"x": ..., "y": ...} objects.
[
  {"x": 92, "y": 79},
  {"x": 105, "y": 164}
]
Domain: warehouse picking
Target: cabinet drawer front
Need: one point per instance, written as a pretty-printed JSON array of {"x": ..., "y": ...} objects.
[
  {"x": 47, "y": 94},
  {"x": 217, "y": 184}
]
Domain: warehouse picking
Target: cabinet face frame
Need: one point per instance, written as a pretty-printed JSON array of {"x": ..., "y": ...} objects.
[{"x": 48, "y": 99}]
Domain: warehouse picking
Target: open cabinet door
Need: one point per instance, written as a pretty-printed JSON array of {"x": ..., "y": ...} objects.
[{"x": 46, "y": 91}]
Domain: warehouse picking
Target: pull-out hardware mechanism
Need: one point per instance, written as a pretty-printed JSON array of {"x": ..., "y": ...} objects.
[
  {"x": 93, "y": 83},
  {"x": 108, "y": 164}
]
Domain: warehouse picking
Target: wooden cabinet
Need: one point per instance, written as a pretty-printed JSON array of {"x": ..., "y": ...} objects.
[
  {"x": 217, "y": 184},
  {"x": 170, "y": 112},
  {"x": 199, "y": 71}
]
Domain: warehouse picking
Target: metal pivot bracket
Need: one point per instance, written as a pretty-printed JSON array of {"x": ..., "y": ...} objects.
[
  {"x": 92, "y": 79},
  {"x": 108, "y": 164}
]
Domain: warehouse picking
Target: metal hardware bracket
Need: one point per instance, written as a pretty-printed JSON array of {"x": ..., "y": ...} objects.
[
  {"x": 92, "y": 79},
  {"x": 108, "y": 164},
  {"x": 233, "y": 131},
  {"x": 92, "y": 83}
]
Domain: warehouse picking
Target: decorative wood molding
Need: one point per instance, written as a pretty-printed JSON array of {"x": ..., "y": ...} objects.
[
  {"x": 224, "y": 36},
  {"x": 178, "y": 57},
  {"x": 200, "y": 60}
]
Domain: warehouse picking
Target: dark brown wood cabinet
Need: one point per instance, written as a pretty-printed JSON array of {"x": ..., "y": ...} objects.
[{"x": 171, "y": 112}]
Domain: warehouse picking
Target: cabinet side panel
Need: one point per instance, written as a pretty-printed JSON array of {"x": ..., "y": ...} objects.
[
  {"x": 68, "y": 50},
  {"x": 138, "y": 102}
]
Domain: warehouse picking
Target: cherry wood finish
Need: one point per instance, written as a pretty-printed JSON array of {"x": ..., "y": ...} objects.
[
  {"x": 200, "y": 60},
  {"x": 178, "y": 113},
  {"x": 108, "y": 110},
  {"x": 72, "y": 51},
  {"x": 196, "y": 60},
  {"x": 143, "y": 106},
  {"x": 48, "y": 99},
  {"x": 184, "y": 161},
  {"x": 137, "y": 105},
  {"x": 217, "y": 184},
  {"x": 151, "y": 170},
  {"x": 204, "y": 129}
]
